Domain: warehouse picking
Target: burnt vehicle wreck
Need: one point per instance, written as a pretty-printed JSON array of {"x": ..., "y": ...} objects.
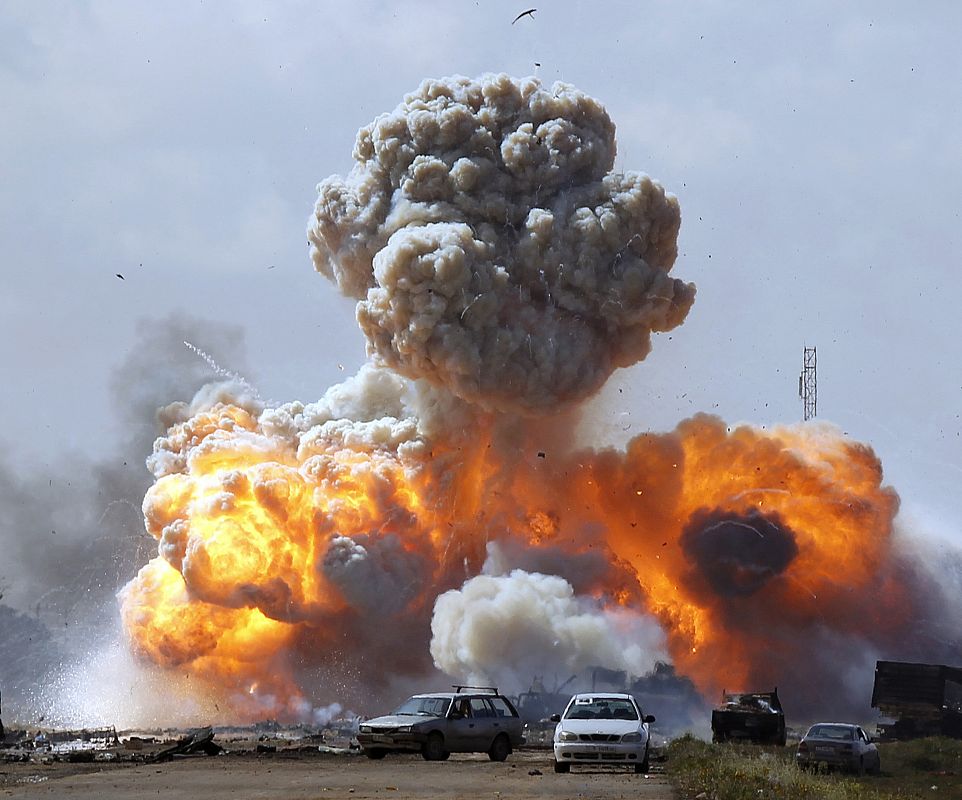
[{"x": 755, "y": 717}]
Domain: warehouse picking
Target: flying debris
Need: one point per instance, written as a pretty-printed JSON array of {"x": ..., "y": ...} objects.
[
  {"x": 528, "y": 13},
  {"x": 120, "y": 276}
]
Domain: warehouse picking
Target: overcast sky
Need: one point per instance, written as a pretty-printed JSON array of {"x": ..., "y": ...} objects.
[{"x": 814, "y": 150}]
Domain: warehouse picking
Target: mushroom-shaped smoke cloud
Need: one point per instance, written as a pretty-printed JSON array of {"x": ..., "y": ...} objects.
[{"x": 492, "y": 250}]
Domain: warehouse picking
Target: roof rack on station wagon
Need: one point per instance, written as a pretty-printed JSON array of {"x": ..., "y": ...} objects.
[{"x": 461, "y": 687}]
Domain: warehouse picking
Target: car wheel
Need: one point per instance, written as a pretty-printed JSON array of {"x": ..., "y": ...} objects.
[
  {"x": 645, "y": 764},
  {"x": 376, "y": 753},
  {"x": 433, "y": 749},
  {"x": 500, "y": 748},
  {"x": 561, "y": 766}
]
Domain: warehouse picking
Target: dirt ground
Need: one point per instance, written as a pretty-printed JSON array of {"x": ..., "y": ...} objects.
[{"x": 306, "y": 776}]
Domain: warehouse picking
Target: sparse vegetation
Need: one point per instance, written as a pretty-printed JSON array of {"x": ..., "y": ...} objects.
[{"x": 923, "y": 768}]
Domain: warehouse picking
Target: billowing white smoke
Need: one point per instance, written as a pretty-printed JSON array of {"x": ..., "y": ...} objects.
[
  {"x": 508, "y": 627},
  {"x": 492, "y": 250}
]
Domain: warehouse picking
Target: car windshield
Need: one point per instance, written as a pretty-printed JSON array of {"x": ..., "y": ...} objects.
[
  {"x": 601, "y": 708},
  {"x": 840, "y": 732},
  {"x": 424, "y": 707}
]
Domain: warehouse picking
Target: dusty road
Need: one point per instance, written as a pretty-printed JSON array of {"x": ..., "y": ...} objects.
[{"x": 324, "y": 777}]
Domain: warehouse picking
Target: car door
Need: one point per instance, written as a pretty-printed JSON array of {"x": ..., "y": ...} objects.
[
  {"x": 483, "y": 730},
  {"x": 870, "y": 756},
  {"x": 505, "y": 720},
  {"x": 461, "y": 735}
]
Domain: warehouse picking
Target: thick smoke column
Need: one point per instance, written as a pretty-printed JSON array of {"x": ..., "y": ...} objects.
[{"x": 492, "y": 250}]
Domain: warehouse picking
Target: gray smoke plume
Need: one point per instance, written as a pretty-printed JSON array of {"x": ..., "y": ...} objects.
[
  {"x": 72, "y": 534},
  {"x": 492, "y": 250},
  {"x": 28, "y": 653}
]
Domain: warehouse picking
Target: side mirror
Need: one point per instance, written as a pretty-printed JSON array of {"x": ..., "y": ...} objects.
[
  {"x": 555, "y": 717},
  {"x": 649, "y": 718}
]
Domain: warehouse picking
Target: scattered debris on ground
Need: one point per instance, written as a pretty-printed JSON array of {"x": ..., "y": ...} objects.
[{"x": 197, "y": 742}]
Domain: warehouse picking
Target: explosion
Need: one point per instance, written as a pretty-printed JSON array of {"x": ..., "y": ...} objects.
[{"x": 432, "y": 511}]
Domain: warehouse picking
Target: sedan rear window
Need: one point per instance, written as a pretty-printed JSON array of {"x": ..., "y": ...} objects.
[{"x": 839, "y": 732}]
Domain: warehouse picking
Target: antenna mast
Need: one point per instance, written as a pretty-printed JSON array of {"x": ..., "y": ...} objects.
[{"x": 807, "y": 388}]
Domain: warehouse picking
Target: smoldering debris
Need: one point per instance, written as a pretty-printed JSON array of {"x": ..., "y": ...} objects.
[{"x": 196, "y": 742}]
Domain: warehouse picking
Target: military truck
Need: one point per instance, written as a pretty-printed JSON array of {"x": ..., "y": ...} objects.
[
  {"x": 755, "y": 717},
  {"x": 918, "y": 700}
]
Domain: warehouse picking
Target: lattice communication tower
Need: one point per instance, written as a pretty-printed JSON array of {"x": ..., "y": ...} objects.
[{"x": 807, "y": 387}]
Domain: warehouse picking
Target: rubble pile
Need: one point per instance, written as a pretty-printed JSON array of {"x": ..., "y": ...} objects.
[{"x": 107, "y": 744}]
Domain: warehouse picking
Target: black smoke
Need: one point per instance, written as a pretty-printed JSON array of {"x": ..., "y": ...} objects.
[{"x": 736, "y": 555}]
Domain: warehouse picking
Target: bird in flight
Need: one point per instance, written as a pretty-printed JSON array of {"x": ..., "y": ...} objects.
[{"x": 528, "y": 13}]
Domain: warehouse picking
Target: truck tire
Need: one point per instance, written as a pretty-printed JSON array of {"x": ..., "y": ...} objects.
[{"x": 562, "y": 766}]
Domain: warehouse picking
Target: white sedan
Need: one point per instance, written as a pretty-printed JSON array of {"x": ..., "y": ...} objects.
[{"x": 601, "y": 728}]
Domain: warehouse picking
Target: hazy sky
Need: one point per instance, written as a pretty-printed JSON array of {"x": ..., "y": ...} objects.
[{"x": 814, "y": 151}]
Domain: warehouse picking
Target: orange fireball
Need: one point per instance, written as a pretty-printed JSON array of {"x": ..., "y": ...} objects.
[{"x": 275, "y": 550}]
